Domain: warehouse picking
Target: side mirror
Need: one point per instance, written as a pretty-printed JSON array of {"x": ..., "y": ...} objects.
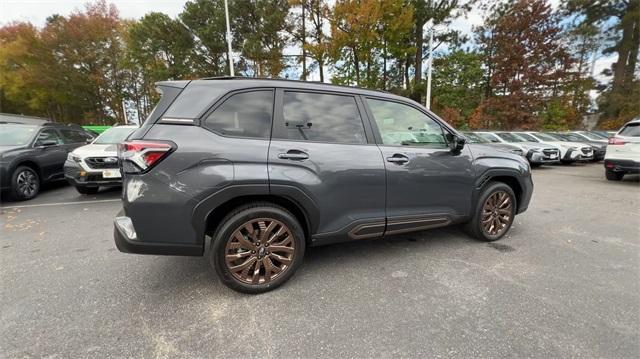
[
  {"x": 47, "y": 143},
  {"x": 456, "y": 142}
]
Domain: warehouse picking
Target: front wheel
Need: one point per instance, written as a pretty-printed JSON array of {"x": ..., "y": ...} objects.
[
  {"x": 494, "y": 213},
  {"x": 25, "y": 184},
  {"x": 257, "y": 248}
]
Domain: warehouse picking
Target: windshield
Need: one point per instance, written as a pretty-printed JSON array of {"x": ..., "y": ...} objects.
[
  {"x": 545, "y": 137},
  {"x": 510, "y": 137},
  {"x": 527, "y": 137},
  {"x": 569, "y": 137},
  {"x": 16, "y": 134},
  {"x": 474, "y": 138},
  {"x": 114, "y": 135},
  {"x": 591, "y": 136},
  {"x": 489, "y": 137}
]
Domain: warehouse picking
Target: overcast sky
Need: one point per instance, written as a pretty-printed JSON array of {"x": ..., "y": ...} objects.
[{"x": 37, "y": 11}]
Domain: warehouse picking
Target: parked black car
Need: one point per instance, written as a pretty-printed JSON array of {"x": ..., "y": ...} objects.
[
  {"x": 33, "y": 151},
  {"x": 250, "y": 172}
]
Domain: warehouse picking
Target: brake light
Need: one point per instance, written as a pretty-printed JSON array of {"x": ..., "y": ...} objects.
[
  {"x": 616, "y": 141},
  {"x": 140, "y": 156}
]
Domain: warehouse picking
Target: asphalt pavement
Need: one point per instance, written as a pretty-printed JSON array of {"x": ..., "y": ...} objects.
[{"x": 564, "y": 283}]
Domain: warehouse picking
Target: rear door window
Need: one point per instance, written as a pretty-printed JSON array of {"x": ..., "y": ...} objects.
[
  {"x": 246, "y": 114},
  {"x": 322, "y": 117}
]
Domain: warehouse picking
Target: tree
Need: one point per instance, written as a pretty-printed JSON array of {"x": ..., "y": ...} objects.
[
  {"x": 205, "y": 20},
  {"x": 529, "y": 64},
  {"x": 261, "y": 33},
  {"x": 619, "y": 24},
  {"x": 318, "y": 49},
  {"x": 458, "y": 83},
  {"x": 158, "y": 48}
]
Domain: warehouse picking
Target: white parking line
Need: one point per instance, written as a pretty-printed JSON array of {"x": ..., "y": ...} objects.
[{"x": 60, "y": 204}]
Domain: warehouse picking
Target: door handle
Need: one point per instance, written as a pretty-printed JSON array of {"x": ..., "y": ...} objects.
[
  {"x": 398, "y": 159},
  {"x": 295, "y": 155}
]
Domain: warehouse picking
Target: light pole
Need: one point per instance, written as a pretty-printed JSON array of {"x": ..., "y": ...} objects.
[
  {"x": 229, "y": 38},
  {"x": 429, "y": 24}
]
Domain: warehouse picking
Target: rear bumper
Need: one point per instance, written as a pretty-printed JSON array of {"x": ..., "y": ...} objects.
[
  {"x": 626, "y": 166},
  {"x": 127, "y": 241},
  {"x": 79, "y": 177}
]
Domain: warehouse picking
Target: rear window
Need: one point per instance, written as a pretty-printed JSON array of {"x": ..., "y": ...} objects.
[{"x": 631, "y": 130}]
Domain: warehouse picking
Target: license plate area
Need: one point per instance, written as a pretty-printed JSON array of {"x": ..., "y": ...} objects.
[{"x": 111, "y": 173}]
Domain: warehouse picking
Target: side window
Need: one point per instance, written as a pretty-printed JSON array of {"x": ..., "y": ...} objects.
[
  {"x": 71, "y": 136},
  {"x": 47, "y": 136},
  {"x": 246, "y": 114},
  {"x": 404, "y": 125},
  {"x": 322, "y": 117}
]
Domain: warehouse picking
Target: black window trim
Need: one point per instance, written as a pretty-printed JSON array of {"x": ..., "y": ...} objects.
[
  {"x": 278, "y": 132},
  {"x": 446, "y": 129},
  {"x": 202, "y": 120}
]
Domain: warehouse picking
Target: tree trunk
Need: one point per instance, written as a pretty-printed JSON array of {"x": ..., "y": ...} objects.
[
  {"x": 356, "y": 64},
  {"x": 418, "y": 61},
  {"x": 384, "y": 65},
  {"x": 320, "y": 67}
]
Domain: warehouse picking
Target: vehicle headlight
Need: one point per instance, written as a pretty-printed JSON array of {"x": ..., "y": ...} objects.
[{"x": 74, "y": 158}]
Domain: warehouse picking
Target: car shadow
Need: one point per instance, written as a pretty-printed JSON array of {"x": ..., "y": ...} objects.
[{"x": 173, "y": 275}]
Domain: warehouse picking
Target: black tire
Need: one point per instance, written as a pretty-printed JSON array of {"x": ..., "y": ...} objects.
[
  {"x": 25, "y": 184},
  {"x": 567, "y": 162},
  {"x": 534, "y": 165},
  {"x": 475, "y": 226},
  {"x": 87, "y": 190},
  {"x": 613, "y": 176},
  {"x": 223, "y": 238}
]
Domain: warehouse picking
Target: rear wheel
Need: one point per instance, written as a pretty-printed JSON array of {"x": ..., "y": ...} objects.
[
  {"x": 25, "y": 183},
  {"x": 87, "y": 190},
  {"x": 613, "y": 176},
  {"x": 494, "y": 212},
  {"x": 257, "y": 248}
]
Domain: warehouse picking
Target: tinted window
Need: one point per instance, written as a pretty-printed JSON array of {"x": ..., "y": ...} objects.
[
  {"x": 48, "y": 135},
  {"x": 401, "y": 124},
  {"x": 527, "y": 137},
  {"x": 71, "y": 136},
  {"x": 322, "y": 117},
  {"x": 194, "y": 100},
  {"x": 631, "y": 130},
  {"x": 246, "y": 114}
]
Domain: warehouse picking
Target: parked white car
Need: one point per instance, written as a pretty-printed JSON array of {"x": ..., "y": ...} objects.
[
  {"x": 537, "y": 153},
  {"x": 623, "y": 152},
  {"x": 569, "y": 151},
  {"x": 96, "y": 165},
  {"x": 590, "y": 137}
]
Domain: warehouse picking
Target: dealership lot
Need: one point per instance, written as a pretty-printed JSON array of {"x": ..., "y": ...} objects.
[{"x": 564, "y": 282}]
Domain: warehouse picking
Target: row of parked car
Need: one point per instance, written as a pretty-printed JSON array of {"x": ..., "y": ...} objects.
[
  {"x": 34, "y": 151},
  {"x": 621, "y": 150}
]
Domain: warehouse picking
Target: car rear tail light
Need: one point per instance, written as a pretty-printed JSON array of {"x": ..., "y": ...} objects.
[
  {"x": 140, "y": 156},
  {"x": 616, "y": 141}
]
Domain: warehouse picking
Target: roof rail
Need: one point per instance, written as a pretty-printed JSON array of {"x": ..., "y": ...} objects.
[{"x": 288, "y": 80}]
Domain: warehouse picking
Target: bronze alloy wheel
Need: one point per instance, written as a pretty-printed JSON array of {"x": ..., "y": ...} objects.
[
  {"x": 497, "y": 213},
  {"x": 259, "y": 251}
]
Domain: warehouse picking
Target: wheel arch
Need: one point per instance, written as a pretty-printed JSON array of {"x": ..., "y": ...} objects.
[
  {"x": 509, "y": 176},
  {"x": 29, "y": 163}
]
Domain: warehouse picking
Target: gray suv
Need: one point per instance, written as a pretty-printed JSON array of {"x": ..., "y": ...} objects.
[{"x": 250, "y": 172}]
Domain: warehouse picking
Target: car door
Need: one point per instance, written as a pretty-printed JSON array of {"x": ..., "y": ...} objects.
[
  {"x": 50, "y": 152},
  {"x": 428, "y": 184},
  {"x": 321, "y": 153}
]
